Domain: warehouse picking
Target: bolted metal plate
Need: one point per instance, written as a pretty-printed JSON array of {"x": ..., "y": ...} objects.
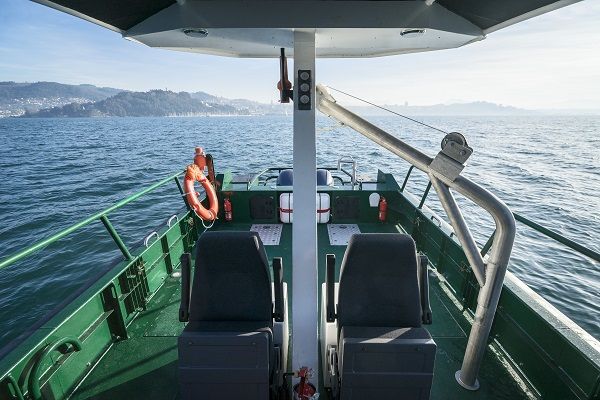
[
  {"x": 270, "y": 234},
  {"x": 340, "y": 234}
]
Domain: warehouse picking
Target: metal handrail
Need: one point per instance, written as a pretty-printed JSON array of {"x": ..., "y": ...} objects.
[
  {"x": 348, "y": 160},
  {"x": 16, "y": 389},
  {"x": 173, "y": 217},
  {"x": 490, "y": 275},
  {"x": 147, "y": 238},
  {"x": 36, "y": 372},
  {"x": 559, "y": 238},
  {"x": 256, "y": 177},
  {"x": 102, "y": 216}
]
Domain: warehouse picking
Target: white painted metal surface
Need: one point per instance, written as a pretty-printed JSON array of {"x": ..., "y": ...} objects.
[
  {"x": 304, "y": 230},
  {"x": 270, "y": 234},
  {"x": 340, "y": 234}
]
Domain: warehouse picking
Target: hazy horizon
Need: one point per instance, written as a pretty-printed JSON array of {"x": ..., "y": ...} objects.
[{"x": 359, "y": 105}]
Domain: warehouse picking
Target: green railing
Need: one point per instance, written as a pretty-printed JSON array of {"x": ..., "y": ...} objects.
[
  {"x": 559, "y": 238},
  {"x": 594, "y": 255},
  {"x": 102, "y": 216}
]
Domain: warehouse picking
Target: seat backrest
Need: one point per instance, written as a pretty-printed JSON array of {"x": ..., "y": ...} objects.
[
  {"x": 324, "y": 177},
  {"x": 378, "y": 282},
  {"x": 286, "y": 178},
  {"x": 231, "y": 279}
]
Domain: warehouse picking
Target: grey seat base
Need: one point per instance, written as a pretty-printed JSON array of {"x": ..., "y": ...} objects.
[
  {"x": 225, "y": 360},
  {"x": 385, "y": 363}
]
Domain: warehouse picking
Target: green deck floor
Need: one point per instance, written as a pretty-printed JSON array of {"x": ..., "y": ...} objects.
[{"x": 145, "y": 365}]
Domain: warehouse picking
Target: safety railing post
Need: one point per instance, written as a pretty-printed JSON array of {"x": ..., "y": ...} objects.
[
  {"x": 422, "y": 202},
  {"x": 117, "y": 239},
  {"x": 486, "y": 247},
  {"x": 406, "y": 178},
  {"x": 180, "y": 188}
]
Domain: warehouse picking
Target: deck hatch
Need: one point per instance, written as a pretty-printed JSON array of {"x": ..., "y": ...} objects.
[
  {"x": 270, "y": 234},
  {"x": 340, "y": 234}
]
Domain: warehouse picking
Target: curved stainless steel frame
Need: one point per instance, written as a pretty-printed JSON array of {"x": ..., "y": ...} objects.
[{"x": 490, "y": 275}]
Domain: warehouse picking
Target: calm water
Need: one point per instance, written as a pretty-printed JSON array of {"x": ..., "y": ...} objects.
[{"x": 58, "y": 171}]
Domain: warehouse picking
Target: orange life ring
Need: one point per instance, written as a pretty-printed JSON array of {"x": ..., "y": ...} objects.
[{"x": 193, "y": 174}]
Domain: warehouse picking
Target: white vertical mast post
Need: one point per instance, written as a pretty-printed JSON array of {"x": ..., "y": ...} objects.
[{"x": 304, "y": 227}]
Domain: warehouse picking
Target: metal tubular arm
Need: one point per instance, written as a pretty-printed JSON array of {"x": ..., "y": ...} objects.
[
  {"x": 460, "y": 227},
  {"x": 491, "y": 275}
]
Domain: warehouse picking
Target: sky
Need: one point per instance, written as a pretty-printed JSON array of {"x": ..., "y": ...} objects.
[{"x": 548, "y": 62}]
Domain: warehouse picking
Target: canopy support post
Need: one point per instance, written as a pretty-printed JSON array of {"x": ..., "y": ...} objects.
[{"x": 304, "y": 227}]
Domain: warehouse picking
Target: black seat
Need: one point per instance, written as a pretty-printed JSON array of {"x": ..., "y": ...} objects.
[
  {"x": 382, "y": 349},
  {"x": 378, "y": 282},
  {"x": 232, "y": 281},
  {"x": 286, "y": 178},
  {"x": 227, "y": 349}
]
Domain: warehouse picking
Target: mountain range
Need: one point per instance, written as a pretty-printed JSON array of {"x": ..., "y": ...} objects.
[
  {"x": 155, "y": 103},
  {"x": 51, "y": 99},
  {"x": 18, "y": 98}
]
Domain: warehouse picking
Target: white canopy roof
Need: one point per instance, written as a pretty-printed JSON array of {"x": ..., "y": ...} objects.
[{"x": 259, "y": 28}]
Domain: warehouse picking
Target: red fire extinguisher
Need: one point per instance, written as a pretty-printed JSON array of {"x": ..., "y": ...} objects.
[
  {"x": 227, "y": 209},
  {"x": 304, "y": 390},
  {"x": 382, "y": 209}
]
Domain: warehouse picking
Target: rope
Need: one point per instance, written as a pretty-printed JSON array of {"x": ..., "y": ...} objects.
[
  {"x": 212, "y": 222},
  {"x": 388, "y": 110}
]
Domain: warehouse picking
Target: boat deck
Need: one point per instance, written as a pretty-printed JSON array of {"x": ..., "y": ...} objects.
[{"x": 145, "y": 365}]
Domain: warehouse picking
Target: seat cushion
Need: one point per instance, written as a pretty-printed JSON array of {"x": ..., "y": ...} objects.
[
  {"x": 385, "y": 363},
  {"x": 225, "y": 360}
]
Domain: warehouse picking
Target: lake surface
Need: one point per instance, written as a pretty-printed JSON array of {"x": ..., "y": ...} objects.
[{"x": 55, "y": 172}]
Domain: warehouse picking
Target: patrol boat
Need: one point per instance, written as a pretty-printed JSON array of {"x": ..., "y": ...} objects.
[{"x": 308, "y": 282}]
